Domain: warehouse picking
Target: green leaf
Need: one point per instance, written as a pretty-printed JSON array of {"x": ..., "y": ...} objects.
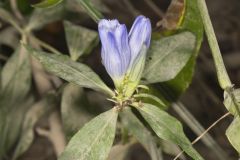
[
  {"x": 78, "y": 107},
  {"x": 167, "y": 128},
  {"x": 14, "y": 87},
  {"x": 11, "y": 119},
  {"x": 71, "y": 71},
  {"x": 24, "y": 7},
  {"x": 80, "y": 40},
  {"x": 47, "y": 3},
  {"x": 15, "y": 78},
  {"x": 171, "y": 149},
  {"x": 233, "y": 133},
  {"x": 150, "y": 98},
  {"x": 191, "y": 22},
  {"x": 228, "y": 102},
  {"x": 94, "y": 140},
  {"x": 41, "y": 17},
  {"x": 167, "y": 57},
  {"x": 12, "y": 39},
  {"x": 72, "y": 109},
  {"x": 32, "y": 116},
  {"x": 6, "y": 16},
  {"x": 137, "y": 129}
]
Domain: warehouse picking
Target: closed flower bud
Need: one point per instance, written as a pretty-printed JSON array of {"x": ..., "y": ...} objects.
[
  {"x": 139, "y": 41},
  {"x": 115, "y": 49},
  {"x": 139, "y": 37},
  {"x": 124, "y": 55}
]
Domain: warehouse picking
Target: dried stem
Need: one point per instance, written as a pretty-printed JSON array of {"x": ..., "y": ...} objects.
[
  {"x": 206, "y": 131},
  {"x": 198, "y": 129}
]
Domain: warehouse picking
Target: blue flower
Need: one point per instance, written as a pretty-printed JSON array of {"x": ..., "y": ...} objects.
[
  {"x": 139, "y": 36},
  {"x": 120, "y": 51}
]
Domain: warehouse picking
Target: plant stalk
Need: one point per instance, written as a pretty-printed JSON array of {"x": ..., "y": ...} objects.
[
  {"x": 92, "y": 12},
  {"x": 222, "y": 75}
]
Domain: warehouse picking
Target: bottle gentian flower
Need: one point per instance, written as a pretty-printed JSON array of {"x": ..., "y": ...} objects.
[{"x": 123, "y": 54}]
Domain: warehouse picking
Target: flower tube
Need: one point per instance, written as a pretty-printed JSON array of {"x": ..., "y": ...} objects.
[
  {"x": 123, "y": 54},
  {"x": 115, "y": 49}
]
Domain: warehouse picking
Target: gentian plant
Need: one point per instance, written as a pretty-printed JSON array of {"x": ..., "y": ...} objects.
[
  {"x": 125, "y": 58},
  {"x": 149, "y": 70}
]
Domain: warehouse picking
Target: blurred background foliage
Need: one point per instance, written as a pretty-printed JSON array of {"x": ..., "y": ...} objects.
[{"x": 40, "y": 112}]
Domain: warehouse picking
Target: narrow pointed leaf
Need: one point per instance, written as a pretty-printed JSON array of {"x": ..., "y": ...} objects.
[
  {"x": 6, "y": 16},
  {"x": 94, "y": 140},
  {"x": 233, "y": 133},
  {"x": 41, "y": 17},
  {"x": 190, "y": 21},
  {"x": 12, "y": 40},
  {"x": 16, "y": 77},
  {"x": 37, "y": 111},
  {"x": 137, "y": 129},
  {"x": 71, "y": 71},
  {"x": 167, "y": 57},
  {"x": 80, "y": 40},
  {"x": 14, "y": 88},
  {"x": 228, "y": 102},
  {"x": 73, "y": 109},
  {"x": 11, "y": 123},
  {"x": 167, "y": 128}
]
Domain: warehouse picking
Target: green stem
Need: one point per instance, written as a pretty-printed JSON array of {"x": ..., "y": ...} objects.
[
  {"x": 45, "y": 45},
  {"x": 6, "y": 16},
  {"x": 222, "y": 75},
  {"x": 92, "y": 12},
  {"x": 10, "y": 19}
]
